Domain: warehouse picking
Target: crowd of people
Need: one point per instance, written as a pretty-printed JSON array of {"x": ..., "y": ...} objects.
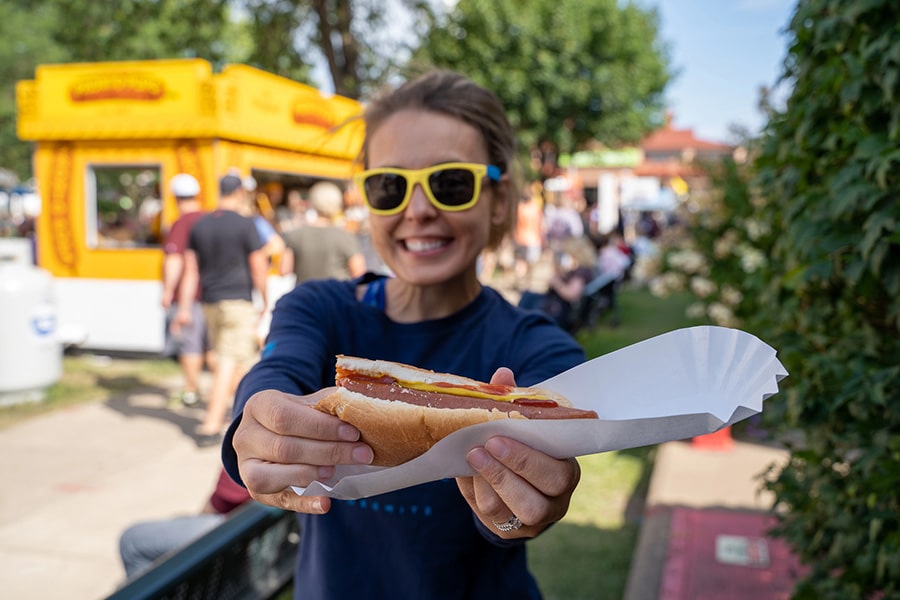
[
  {"x": 580, "y": 267},
  {"x": 216, "y": 272},
  {"x": 217, "y": 266},
  {"x": 214, "y": 276}
]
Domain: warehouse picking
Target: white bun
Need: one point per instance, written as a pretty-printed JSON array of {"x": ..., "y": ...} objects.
[
  {"x": 398, "y": 431},
  {"x": 397, "y": 370}
]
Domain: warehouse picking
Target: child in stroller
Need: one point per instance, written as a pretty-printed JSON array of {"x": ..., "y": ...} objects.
[
  {"x": 582, "y": 288},
  {"x": 575, "y": 266}
]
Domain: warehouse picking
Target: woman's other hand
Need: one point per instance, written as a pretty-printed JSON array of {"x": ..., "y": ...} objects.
[{"x": 515, "y": 480}]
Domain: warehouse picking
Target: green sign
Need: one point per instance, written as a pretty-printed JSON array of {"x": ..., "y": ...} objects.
[{"x": 626, "y": 157}]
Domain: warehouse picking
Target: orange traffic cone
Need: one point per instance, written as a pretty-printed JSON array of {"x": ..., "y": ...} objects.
[{"x": 720, "y": 440}]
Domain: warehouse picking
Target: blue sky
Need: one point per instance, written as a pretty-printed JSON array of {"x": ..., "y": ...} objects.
[{"x": 723, "y": 51}]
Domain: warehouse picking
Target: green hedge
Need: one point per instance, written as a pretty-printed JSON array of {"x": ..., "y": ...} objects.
[
  {"x": 830, "y": 169},
  {"x": 807, "y": 232}
]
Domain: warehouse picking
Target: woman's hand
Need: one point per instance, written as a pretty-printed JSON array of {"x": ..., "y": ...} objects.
[
  {"x": 515, "y": 480},
  {"x": 282, "y": 441}
]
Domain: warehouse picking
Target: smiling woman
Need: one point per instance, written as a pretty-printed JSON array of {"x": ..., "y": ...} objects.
[{"x": 440, "y": 183}]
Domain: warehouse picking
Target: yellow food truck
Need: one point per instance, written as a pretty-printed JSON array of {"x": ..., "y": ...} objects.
[{"x": 108, "y": 139}]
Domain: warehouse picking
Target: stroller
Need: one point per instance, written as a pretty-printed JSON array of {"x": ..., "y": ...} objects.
[{"x": 599, "y": 296}]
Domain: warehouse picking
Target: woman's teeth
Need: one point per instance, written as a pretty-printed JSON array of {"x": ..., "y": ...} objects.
[{"x": 424, "y": 245}]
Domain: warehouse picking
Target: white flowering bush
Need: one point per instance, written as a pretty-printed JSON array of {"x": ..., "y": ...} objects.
[{"x": 718, "y": 250}]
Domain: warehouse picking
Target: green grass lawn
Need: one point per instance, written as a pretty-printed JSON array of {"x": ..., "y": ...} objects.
[{"x": 588, "y": 554}]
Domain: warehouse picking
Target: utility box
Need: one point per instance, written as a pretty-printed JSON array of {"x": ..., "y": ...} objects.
[{"x": 30, "y": 349}]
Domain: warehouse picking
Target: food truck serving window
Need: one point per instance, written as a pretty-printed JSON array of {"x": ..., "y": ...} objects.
[{"x": 124, "y": 206}]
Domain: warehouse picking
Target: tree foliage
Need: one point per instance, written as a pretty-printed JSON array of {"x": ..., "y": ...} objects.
[
  {"x": 25, "y": 42},
  {"x": 52, "y": 31},
  {"x": 359, "y": 41},
  {"x": 92, "y": 30},
  {"x": 355, "y": 39},
  {"x": 568, "y": 71},
  {"x": 830, "y": 161},
  {"x": 272, "y": 26},
  {"x": 825, "y": 188}
]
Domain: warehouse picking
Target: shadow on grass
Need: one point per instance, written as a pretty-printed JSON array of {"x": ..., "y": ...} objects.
[
  {"x": 119, "y": 384},
  {"x": 134, "y": 398},
  {"x": 634, "y": 511},
  {"x": 88, "y": 378}
]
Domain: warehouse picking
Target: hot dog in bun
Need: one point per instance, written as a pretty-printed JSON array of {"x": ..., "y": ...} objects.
[{"x": 402, "y": 411}]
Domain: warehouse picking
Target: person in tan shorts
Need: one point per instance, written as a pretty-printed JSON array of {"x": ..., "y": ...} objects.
[
  {"x": 225, "y": 257},
  {"x": 232, "y": 329}
]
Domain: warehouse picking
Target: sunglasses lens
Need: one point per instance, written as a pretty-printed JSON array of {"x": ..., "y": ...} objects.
[
  {"x": 452, "y": 187},
  {"x": 385, "y": 191}
]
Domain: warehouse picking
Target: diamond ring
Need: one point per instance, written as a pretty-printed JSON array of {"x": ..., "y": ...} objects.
[{"x": 511, "y": 524}]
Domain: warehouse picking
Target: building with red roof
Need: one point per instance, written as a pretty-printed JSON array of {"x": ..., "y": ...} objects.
[
  {"x": 668, "y": 164},
  {"x": 671, "y": 152}
]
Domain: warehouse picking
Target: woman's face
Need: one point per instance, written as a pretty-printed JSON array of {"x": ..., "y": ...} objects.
[{"x": 424, "y": 245}]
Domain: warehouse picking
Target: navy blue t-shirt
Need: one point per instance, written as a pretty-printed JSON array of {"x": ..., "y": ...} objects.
[{"x": 424, "y": 541}]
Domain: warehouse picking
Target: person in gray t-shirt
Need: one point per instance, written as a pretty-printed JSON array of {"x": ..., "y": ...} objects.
[{"x": 322, "y": 249}]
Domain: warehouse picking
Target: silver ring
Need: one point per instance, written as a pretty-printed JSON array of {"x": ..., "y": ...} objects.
[{"x": 511, "y": 524}]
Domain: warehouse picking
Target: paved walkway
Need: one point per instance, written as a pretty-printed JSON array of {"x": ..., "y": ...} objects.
[{"x": 72, "y": 480}]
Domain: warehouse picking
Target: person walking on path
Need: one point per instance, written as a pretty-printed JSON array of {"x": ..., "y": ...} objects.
[
  {"x": 258, "y": 209},
  {"x": 440, "y": 180},
  {"x": 225, "y": 258},
  {"x": 187, "y": 341},
  {"x": 323, "y": 249}
]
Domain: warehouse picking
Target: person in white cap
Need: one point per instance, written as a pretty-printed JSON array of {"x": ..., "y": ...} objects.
[{"x": 186, "y": 341}]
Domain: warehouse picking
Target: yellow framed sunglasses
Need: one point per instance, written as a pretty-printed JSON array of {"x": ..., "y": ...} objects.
[{"x": 453, "y": 186}]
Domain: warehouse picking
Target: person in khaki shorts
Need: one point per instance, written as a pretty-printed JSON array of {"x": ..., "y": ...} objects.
[{"x": 225, "y": 258}]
